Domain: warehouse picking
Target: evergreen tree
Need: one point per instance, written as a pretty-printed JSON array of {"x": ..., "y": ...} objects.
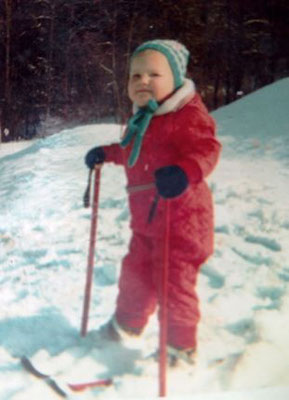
[{"x": 70, "y": 59}]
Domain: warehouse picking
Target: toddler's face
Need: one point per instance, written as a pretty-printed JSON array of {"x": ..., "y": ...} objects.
[{"x": 150, "y": 78}]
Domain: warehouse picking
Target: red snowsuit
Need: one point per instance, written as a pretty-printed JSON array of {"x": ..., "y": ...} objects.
[{"x": 185, "y": 137}]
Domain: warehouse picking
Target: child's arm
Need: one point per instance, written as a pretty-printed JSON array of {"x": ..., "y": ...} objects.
[
  {"x": 114, "y": 153},
  {"x": 195, "y": 140},
  {"x": 101, "y": 154}
]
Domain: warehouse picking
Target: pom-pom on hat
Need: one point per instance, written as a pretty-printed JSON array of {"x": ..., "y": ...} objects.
[{"x": 176, "y": 53}]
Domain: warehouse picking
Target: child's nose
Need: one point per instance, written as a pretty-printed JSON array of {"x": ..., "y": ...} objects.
[{"x": 145, "y": 79}]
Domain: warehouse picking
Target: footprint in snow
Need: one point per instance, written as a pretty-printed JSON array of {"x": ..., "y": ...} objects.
[
  {"x": 216, "y": 280},
  {"x": 270, "y": 244}
]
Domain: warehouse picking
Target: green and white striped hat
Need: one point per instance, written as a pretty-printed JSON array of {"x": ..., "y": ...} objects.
[{"x": 176, "y": 53}]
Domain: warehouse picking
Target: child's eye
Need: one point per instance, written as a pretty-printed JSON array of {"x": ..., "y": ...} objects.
[
  {"x": 155, "y": 74},
  {"x": 136, "y": 76}
]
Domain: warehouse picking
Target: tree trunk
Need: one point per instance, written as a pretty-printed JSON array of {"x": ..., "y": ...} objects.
[
  {"x": 50, "y": 60},
  {"x": 6, "y": 112},
  {"x": 114, "y": 68}
]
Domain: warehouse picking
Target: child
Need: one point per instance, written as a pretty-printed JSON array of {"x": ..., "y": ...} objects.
[{"x": 168, "y": 149}]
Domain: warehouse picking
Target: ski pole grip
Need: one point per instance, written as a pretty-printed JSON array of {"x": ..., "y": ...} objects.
[
  {"x": 153, "y": 208},
  {"x": 86, "y": 196}
]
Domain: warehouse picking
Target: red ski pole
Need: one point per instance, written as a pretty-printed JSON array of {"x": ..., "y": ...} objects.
[
  {"x": 163, "y": 305},
  {"x": 91, "y": 252}
]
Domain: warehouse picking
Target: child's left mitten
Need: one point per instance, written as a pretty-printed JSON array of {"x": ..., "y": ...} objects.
[{"x": 171, "y": 181}]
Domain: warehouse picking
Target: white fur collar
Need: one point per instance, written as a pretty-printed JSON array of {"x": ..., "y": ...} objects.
[{"x": 177, "y": 100}]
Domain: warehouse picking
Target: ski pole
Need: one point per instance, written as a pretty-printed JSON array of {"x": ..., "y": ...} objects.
[
  {"x": 86, "y": 197},
  {"x": 91, "y": 251},
  {"x": 163, "y": 305}
]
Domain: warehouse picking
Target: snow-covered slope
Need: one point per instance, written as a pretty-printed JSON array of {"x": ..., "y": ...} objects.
[{"x": 44, "y": 233}]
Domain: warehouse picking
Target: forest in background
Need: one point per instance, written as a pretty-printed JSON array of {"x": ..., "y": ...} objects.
[{"x": 69, "y": 59}]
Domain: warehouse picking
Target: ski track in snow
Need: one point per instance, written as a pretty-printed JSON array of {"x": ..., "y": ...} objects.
[{"x": 243, "y": 288}]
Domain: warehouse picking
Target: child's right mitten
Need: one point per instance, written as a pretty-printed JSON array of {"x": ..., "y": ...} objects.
[{"x": 94, "y": 156}]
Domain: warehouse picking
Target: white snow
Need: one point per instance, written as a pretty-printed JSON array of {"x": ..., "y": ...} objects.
[{"x": 244, "y": 288}]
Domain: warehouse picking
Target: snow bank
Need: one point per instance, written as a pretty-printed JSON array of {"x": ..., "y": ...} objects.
[{"x": 243, "y": 335}]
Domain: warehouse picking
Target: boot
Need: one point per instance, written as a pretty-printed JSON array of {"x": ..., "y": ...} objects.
[
  {"x": 113, "y": 331},
  {"x": 108, "y": 332},
  {"x": 176, "y": 355}
]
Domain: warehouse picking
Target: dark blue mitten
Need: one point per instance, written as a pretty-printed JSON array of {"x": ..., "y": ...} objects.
[
  {"x": 94, "y": 156},
  {"x": 171, "y": 181}
]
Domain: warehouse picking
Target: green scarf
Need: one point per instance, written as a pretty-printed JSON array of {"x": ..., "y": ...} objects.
[{"x": 137, "y": 126}]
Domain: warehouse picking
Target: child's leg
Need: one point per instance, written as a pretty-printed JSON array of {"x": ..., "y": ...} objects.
[
  {"x": 183, "y": 304},
  {"x": 137, "y": 296}
]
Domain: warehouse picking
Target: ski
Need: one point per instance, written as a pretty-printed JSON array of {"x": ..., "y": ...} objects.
[{"x": 61, "y": 389}]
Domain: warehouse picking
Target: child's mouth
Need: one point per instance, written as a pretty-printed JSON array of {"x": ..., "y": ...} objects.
[{"x": 143, "y": 91}]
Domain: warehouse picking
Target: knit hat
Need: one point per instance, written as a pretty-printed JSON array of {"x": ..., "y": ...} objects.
[{"x": 176, "y": 54}]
